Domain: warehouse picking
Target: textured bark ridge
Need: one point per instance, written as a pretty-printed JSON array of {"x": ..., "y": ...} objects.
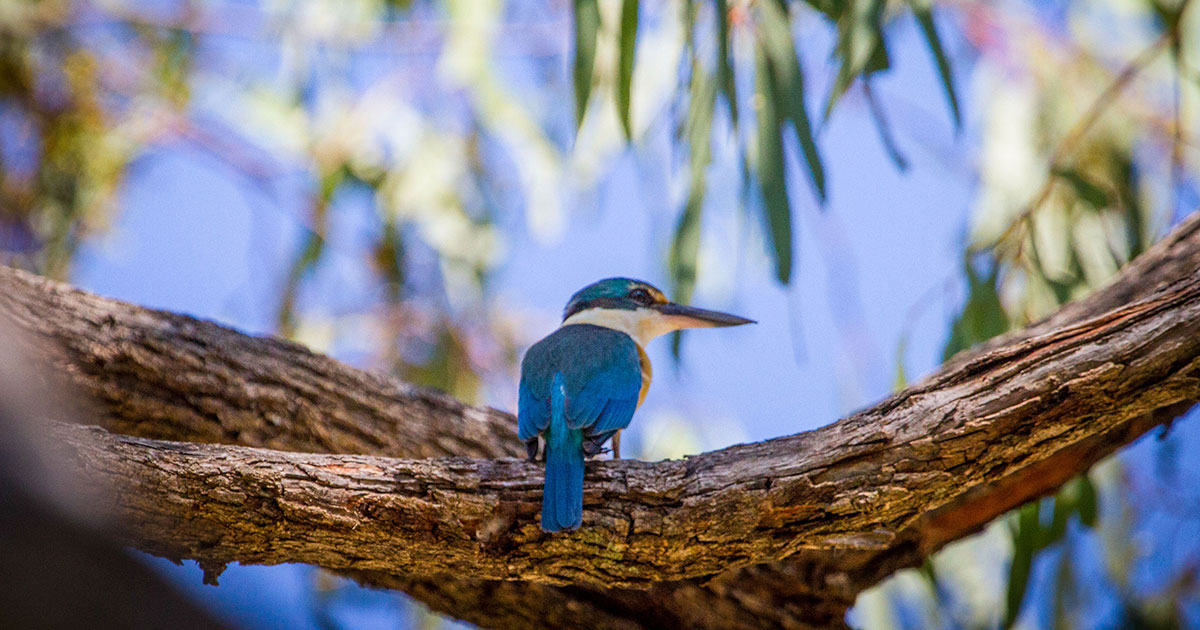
[
  {"x": 897, "y": 475},
  {"x": 161, "y": 375},
  {"x": 821, "y": 514}
]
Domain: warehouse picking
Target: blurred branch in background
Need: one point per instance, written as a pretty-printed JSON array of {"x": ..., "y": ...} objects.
[{"x": 446, "y": 116}]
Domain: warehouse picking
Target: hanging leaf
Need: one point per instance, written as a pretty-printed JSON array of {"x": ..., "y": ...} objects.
[
  {"x": 685, "y": 246},
  {"x": 883, "y": 128},
  {"x": 1076, "y": 498},
  {"x": 928, "y": 572},
  {"x": 389, "y": 259},
  {"x": 587, "y": 23},
  {"x": 1168, "y": 13},
  {"x": 879, "y": 59},
  {"x": 983, "y": 315},
  {"x": 832, "y": 9},
  {"x": 1085, "y": 189},
  {"x": 1063, "y": 283},
  {"x": 1065, "y": 507},
  {"x": 1024, "y": 539},
  {"x": 901, "y": 380},
  {"x": 685, "y": 249},
  {"x": 1065, "y": 594},
  {"x": 923, "y": 11},
  {"x": 770, "y": 167},
  {"x": 1128, "y": 195},
  {"x": 1086, "y": 501},
  {"x": 688, "y": 12},
  {"x": 860, "y": 47},
  {"x": 725, "y": 75},
  {"x": 628, "y": 46},
  {"x": 305, "y": 262},
  {"x": 700, "y": 119},
  {"x": 788, "y": 80},
  {"x": 312, "y": 249}
]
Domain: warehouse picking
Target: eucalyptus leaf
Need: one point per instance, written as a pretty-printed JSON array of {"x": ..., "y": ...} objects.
[
  {"x": 1025, "y": 537},
  {"x": 389, "y": 256},
  {"x": 928, "y": 572},
  {"x": 884, "y": 128},
  {"x": 1065, "y": 594},
  {"x": 832, "y": 9},
  {"x": 1084, "y": 188},
  {"x": 788, "y": 88},
  {"x": 860, "y": 46},
  {"x": 725, "y": 73},
  {"x": 627, "y": 49},
  {"x": 770, "y": 165},
  {"x": 1065, "y": 507},
  {"x": 587, "y": 23},
  {"x": 1088, "y": 505},
  {"x": 983, "y": 315},
  {"x": 1128, "y": 194},
  {"x": 685, "y": 246},
  {"x": 685, "y": 249},
  {"x": 923, "y": 12},
  {"x": 901, "y": 380}
]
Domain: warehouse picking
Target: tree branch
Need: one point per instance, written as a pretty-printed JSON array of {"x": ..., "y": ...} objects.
[
  {"x": 920, "y": 469},
  {"x": 845, "y": 505},
  {"x": 167, "y": 376}
]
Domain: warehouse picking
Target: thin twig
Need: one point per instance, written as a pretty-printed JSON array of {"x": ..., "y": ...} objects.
[
  {"x": 1176, "y": 173},
  {"x": 1070, "y": 143}
]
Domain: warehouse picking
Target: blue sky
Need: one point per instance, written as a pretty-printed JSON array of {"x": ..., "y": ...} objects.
[
  {"x": 193, "y": 237},
  {"x": 881, "y": 260}
]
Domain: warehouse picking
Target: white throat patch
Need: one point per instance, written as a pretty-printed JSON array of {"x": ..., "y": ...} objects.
[{"x": 643, "y": 324}]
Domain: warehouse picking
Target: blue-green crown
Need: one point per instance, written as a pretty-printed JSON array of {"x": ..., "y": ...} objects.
[{"x": 619, "y": 293}]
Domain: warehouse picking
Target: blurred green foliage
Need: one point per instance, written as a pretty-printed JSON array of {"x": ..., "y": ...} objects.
[
  {"x": 1064, "y": 204},
  {"x": 1081, "y": 164},
  {"x": 57, "y": 178}
]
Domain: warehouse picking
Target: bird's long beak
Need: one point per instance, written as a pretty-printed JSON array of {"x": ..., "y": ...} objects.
[{"x": 681, "y": 316}]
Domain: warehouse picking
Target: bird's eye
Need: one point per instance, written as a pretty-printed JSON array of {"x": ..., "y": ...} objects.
[{"x": 641, "y": 295}]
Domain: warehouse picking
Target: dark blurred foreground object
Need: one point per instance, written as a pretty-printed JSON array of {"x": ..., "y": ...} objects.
[{"x": 59, "y": 568}]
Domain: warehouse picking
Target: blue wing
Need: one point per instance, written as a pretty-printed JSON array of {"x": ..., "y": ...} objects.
[
  {"x": 607, "y": 401},
  {"x": 533, "y": 411},
  {"x": 602, "y": 377}
]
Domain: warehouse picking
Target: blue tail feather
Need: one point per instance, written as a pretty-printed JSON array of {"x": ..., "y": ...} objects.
[{"x": 562, "y": 495}]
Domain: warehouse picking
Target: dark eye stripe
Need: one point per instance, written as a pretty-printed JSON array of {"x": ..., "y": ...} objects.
[{"x": 641, "y": 295}]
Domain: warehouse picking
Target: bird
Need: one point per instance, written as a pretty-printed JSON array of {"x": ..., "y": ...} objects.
[{"x": 581, "y": 384}]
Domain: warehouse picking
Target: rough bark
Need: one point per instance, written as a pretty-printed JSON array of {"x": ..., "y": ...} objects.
[
  {"x": 898, "y": 475},
  {"x": 167, "y": 376},
  {"x": 928, "y": 465}
]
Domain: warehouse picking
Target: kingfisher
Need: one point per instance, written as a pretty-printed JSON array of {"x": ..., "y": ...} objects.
[{"x": 581, "y": 384}]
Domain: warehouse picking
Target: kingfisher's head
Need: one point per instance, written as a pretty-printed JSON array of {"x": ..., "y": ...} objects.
[{"x": 639, "y": 309}]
